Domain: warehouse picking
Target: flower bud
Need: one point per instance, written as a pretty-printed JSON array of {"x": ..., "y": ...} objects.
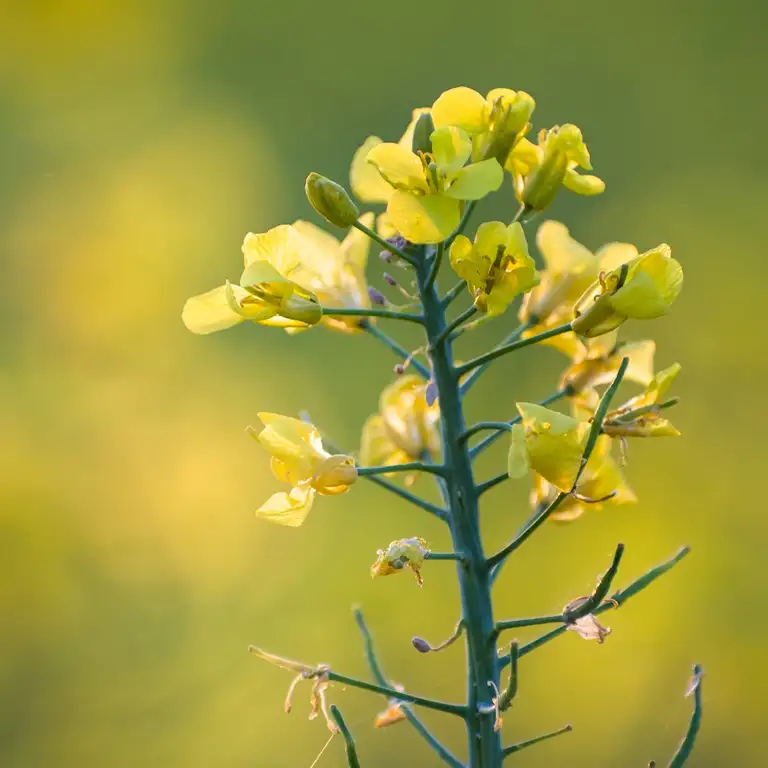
[
  {"x": 376, "y": 297},
  {"x": 421, "y": 645},
  {"x": 331, "y": 200},
  {"x": 422, "y": 133}
]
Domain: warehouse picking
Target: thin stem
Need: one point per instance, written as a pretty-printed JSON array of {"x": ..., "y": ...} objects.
[
  {"x": 601, "y": 591},
  {"x": 462, "y": 224},
  {"x": 557, "y": 618},
  {"x": 686, "y": 746},
  {"x": 454, "y": 293},
  {"x": 530, "y": 742},
  {"x": 506, "y": 348},
  {"x": 598, "y": 419},
  {"x": 505, "y": 700},
  {"x": 482, "y": 425},
  {"x": 349, "y": 742},
  {"x": 492, "y": 483},
  {"x": 528, "y": 529},
  {"x": 491, "y": 439},
  {"x": 435, "y": 268},
  {"x": 478, "y": 372},
  {"x": 392, "y": 314},
  {"x": 408, "y": 496},
  {"x": 413, "y": 719},
  {"x": 401, "y": 352},
  {"x": 455, "y": 556},
  {"x": 393, "y": 693},
  {"x": 384, "y": 243},
  {"x": 409, "y": 466},
  {"x": 619, "y": 598},
  {"x": 453, "y": 325}
]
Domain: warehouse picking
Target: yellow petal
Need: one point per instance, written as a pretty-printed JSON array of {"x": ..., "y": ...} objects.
[
  {"x": 612, "y": 255},
  {"x": 639, "y": 298},
  {"x": 247, "y": 306},
  {"x": 288, "y": 508},
  {"x": 557, "y": 423},
  {"x": 285, "y": 437},
  {"x": 406, "y": 140},
  {"x": 517, "y": 457},
  {"x": 561, "y": 252},
  {"x": 399, "y": 167},
  {"x": 461, "y": 107},
  {"x": 281, "y": 247},
  {"x": 465, "y": 262},
  {"x": 210, "y": 312},
  {"x": 365, "y": 181},
  {"x": 451, "y": 147},
  {"x": 583, "y": 184},
  {"x": 423, "y": 219},
  {"x": 357, "y": 245},
  {"x": 476, "y": 181}
]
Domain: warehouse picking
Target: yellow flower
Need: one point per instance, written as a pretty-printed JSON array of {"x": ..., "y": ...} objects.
[
  {"x": 404, "y": 429},
  {"x": 539, "y": 170},
  {"x": 299, "y": 459},
  {"x": 335, "y": 271},
  {"x": 643, "y": 288},
  {"x": 495, "y": 122},
  {"x": 496, "y": 267},
  {"x": 425, "y": 205},
  {"x": 598, "y": 360},
  {"x": 401, "y": 554},
  {"x": 548, "y": 442},
  {"x": 602, "y": 482},
  {"x": 267, "y": 293},
  {"x": 640, "y": 416}
]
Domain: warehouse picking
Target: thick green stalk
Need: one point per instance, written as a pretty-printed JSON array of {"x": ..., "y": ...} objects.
[{"x": 485, "y": 750}]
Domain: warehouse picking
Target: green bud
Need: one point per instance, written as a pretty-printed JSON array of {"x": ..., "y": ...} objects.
[
  {"x": 331, "y": 200},
  {"x": 545, "y": 181},
  {"x": 422, "y": 133}
]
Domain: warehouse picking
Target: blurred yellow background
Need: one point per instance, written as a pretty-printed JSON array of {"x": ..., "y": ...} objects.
[{"x": 139, "y": 142}]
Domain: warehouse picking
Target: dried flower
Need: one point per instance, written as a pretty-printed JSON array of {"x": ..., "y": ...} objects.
[
  {"x": 587, "y": 626},
  {"x": 399, "y": 555}
]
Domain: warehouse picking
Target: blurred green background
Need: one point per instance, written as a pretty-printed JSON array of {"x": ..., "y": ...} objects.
[{"x": 139, "y": 142}]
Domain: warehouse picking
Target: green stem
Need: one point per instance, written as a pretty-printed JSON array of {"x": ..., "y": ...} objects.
[
  {"x": 491, "y": 439},
  {"x": 470, "y": 380},
  {"x": 557, "y": 618},
  {"x": 482, "y": 425},
  {"x": 686, "y": 746},
  {"x": 619, "y": 597},
  {"x": 492, "y": 483},
  {"x": 454, "y": 324},
  {"x": 392, "y": 314},
  {"x": 473, "y": 573},
  {"x": 401, "y": 352},
  {"x": 384, "y": 243},
  {"x": 506, "y": 348},
  {"x": 408, "y": 496},
  {"x": 462, "y": 224},
  {"x": 505, "y": 700},
  {"x": 530, "y": 742},
  {"x": 349, "y": 742},
  {"x": 455, "y": 556},
  {"x": 413, "y": 719},
  {"x": 454, "y": 293},
  {"x": 409, "y": 466},
  {"x": 435, "y": 266},
  {"x": 393, "y": 693},
  {"x": 601, "y": 591}
]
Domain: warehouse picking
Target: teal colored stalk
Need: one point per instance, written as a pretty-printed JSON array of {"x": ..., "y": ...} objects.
[
  {"x": 392, "y": 314},
  {"x": 401, "y": 352},
  {"x": 349, "y": 742},
  {"x": 410, "y": 466},
  {"x": 485, "y": 749},
  {"x": 530, "y": 742},
  {"x": 686, "y": 746}
]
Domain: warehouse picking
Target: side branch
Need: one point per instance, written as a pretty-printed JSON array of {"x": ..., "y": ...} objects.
[
  {"x": 349, "y": 742},
  {"x": 461, "y": 370},
  {"x": 400, "y": 351},
  {"x": 530, "y": 742},
  {"x": 392, "y": 314},
  {"x": 408, "y": 496},
  {"x": 617, "y": 599},
  {"x": 686, "y": 746},
  {"x": 410, "y": 466},
  {"x": 412, "y": 718},
  {"x": 377, "y": 238}
]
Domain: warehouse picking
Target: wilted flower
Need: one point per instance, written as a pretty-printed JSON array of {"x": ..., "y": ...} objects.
[
  {"x": 496, "y": 266},
  {"x": 335, "y": 271},
  {"x": 643, "y": 288},
  {"x": 640, "y": 416},
  {"x": 299, "y": 459},
  {"x": 401, "y": 554},
  {"x": 318, "y": 675},
  {"x": 587, "y": 626},
  {"x": 394, "y": 713},
  {"x": 404, "y": 429},
  {"x": 425, "y": 206},
  {"x": 538, "y": 171},
  {"x": 267, "y": 293}
]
